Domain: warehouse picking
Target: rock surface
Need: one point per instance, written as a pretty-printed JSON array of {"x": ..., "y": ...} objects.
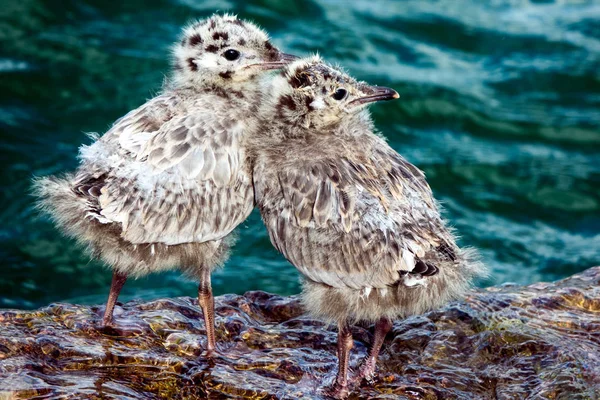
[{"x": 535, "y": 342}]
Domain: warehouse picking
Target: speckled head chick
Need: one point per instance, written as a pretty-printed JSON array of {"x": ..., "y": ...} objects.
[
  {"x": 224, "y": 50},
  {"x": 167, "y": 184},
  {"x": 312, "y": 94},
  {"x": 350, "y": 213}
]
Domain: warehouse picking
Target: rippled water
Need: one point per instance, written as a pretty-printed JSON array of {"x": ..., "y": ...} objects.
[{"x": 500, "y": 107}]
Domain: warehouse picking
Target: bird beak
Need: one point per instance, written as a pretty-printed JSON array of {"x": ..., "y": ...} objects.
[
  {"x": 375, "y": 93},
  {"x": 284, "y": 59},
  {"x": 288, "y": 58}
]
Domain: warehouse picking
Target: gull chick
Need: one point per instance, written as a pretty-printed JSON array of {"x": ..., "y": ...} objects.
[
  {"x": 353, "y": 216},
  {"x": 166, "y": 185}
]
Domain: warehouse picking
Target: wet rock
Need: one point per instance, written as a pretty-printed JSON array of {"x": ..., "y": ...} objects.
[{"x": 536, "y": 342}]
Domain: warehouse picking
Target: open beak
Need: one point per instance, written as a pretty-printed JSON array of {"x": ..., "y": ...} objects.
[
  {"x": 284, "y": 59},
  {"x": 376, "y": 93}
]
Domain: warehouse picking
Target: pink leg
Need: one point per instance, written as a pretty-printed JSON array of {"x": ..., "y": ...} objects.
[
  {"x": 344, "y": 345},
  {"x": 367, "y": 370},
  {"x": 118, "y": 280},
  {"x": 207, "y": 303}
]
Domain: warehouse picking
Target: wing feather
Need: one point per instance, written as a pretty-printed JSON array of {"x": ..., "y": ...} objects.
[
  {"x": 171, "y": 178},
  {"x": 350, "y": 223}
]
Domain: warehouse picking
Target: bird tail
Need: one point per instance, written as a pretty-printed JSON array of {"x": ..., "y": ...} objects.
[
  {"x": 471, "y": 264},
  {"x": 470, "y": 270},
  {"x": 57, "y": 199}
]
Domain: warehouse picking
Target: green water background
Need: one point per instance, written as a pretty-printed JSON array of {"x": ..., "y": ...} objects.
[{"x": 500, "y": 107}]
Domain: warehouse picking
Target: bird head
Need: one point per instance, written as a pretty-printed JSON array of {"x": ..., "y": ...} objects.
[
  {"x": 314, "y": 94},
  {"x": 223, "y": 50}
]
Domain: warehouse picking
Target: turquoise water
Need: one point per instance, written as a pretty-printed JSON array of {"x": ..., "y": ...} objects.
[{"x": 500, "y": 106}]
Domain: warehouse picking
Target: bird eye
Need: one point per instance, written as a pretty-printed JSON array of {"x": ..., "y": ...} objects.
[
  {"x": 231, "y": 54},
  {"x": 340, "y": 94}
]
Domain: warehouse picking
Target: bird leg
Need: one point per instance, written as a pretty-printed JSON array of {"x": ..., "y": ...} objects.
[
  {"x": 344, "y": 345},
  {"x": 207, "y": 303},
  {"x": 118, "y": 280},
  {"x": 367, "y": 370}
]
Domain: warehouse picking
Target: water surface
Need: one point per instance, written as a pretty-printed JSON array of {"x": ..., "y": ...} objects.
[{"x": 500, "y": 107}]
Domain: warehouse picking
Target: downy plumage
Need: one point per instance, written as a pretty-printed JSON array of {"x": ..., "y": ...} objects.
[
  {"x": 354, "y": 217},
  {"x": 168, "y": 182}
]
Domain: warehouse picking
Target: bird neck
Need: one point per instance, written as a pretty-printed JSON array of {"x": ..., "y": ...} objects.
[
  {"x": 242, "y": 93},
  {"x": 349, "y": 125},
  {"x": 281, "y": 135}
]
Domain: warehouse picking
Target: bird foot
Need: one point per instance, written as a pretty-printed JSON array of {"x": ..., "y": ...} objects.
[
  {"x": 337, "y": 391},
  {"x": 214, "y": 351},
  {"x": 107, "y": 322},
  {"x": 366, "y": 372},
  {"x": 210, "y": 353}
]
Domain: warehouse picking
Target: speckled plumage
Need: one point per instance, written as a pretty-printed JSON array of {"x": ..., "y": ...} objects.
[
  {"x": 354, "y": 217},
  {"x": 136, "y": 202},
  {"x": 167, "y": 184}
]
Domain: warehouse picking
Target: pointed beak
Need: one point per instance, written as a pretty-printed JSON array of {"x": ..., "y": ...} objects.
[
  {"x": 284, "y": 59},
  {"x": 288, "y": 58},
  {"x": 376, "y": 93}
]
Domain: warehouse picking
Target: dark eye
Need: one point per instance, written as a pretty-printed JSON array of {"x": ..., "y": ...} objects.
[
  {"x": 339, "y": 94},
  {"x": 231, "y": 54}
]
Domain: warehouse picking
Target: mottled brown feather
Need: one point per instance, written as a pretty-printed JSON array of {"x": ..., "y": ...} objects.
[{"x": 341, "y": 196}]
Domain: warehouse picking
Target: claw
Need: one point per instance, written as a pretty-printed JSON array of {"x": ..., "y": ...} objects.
[
  {"x": 337, "y": 391},
  {"x": 367, "y": 372}
]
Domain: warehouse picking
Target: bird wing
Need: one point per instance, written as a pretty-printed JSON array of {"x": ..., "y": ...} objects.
[
  {"x": 197, "y": 146},
  {"x": 176, "y": 181},
  {"x": 131, "y": 132},
  {"x": 351, "y": 223}
]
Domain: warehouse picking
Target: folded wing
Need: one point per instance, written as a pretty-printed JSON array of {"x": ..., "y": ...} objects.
[
  {"x": 168, "y": 178},
  {"x": 352, "y": 223}
]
